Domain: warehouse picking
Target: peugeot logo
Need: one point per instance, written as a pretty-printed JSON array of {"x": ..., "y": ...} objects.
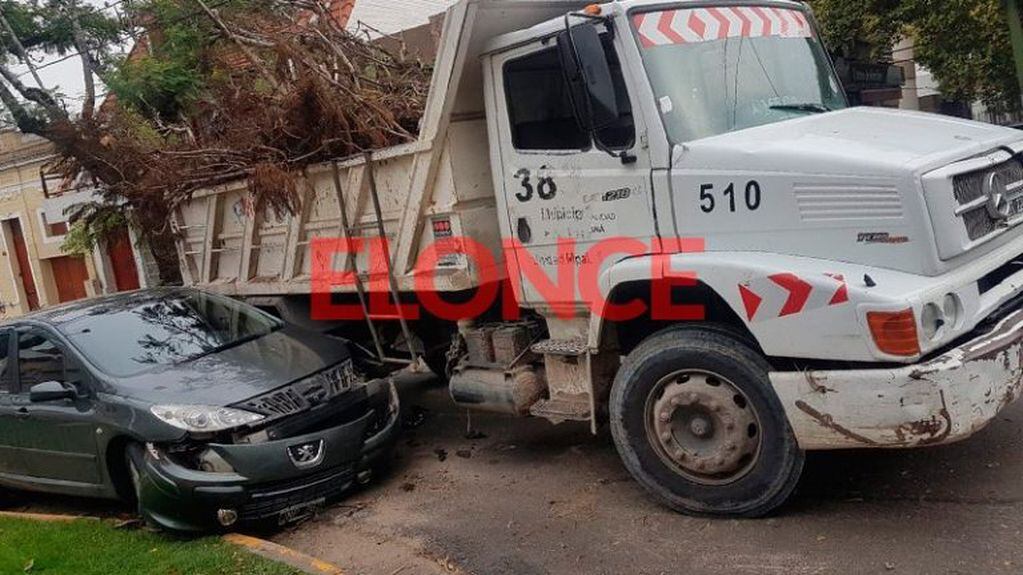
[
  {"x": 306, "y": 455},
  {"x": 996, "y": 191}
]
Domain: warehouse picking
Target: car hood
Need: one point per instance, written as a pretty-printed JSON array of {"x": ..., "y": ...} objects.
[
  {"x": 238, "y": 373},
  {"x": 868, "y": 141}
]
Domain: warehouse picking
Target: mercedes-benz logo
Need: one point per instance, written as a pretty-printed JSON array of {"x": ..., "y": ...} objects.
[
  {"x": 306, "y": 455},
  {"x": 997, "y": 202}
]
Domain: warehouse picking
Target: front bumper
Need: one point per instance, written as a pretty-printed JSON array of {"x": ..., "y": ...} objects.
[
  {"x": 939, "y": 401},
  {"x": 267, "y": 483}
]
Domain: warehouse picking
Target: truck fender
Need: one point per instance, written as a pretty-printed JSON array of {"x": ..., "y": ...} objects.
[{"x": 792, "y": 306}]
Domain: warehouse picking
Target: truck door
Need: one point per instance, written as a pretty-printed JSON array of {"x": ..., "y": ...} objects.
[{"x": 564, "y": 195}]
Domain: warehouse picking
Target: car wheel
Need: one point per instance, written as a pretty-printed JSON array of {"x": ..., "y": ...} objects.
[
  {"x": 697, "y": 423},
  {"x": 134, "y": 455}
]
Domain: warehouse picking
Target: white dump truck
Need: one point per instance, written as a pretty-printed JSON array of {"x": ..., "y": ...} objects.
[{"x": 708, "y": 251}]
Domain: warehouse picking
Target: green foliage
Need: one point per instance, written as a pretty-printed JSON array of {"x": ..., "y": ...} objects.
[
  {"x": 964, "y": 43},
  {"x": 861, "y": 30},
  {"x": 86, "y": 232},
  {"x": 95, "y": 548},
  {"x": 157, "y": 86},
  {"x": 47, "y": 26},
  {"x": 164, "y": 82}
]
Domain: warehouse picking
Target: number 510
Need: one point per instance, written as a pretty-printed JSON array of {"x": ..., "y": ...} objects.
[{"x": 708, "y": 203}]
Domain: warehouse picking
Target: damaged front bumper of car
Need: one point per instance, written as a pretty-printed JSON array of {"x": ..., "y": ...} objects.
[
  {"x": 941, "y": 400},
  {"x": 277, "y": 473}
]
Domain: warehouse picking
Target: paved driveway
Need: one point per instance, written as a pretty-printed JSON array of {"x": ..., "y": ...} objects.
[{"x": 534, "y": 498}]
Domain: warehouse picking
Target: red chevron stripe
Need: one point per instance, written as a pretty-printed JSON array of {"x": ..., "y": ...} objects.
[
  {"x": 799, "y": 292},
  {"x": 724, "y": 24},
  {"x": 750, "y": 301},
  {"x": 747, "y": 24},
  {"x": 665, "y": 27}
]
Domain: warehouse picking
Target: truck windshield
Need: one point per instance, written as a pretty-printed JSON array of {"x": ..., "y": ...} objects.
[{"x": 721, "y": 69}]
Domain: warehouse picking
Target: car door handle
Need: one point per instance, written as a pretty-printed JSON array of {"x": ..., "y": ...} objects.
[{"x": 22, "y": 413}]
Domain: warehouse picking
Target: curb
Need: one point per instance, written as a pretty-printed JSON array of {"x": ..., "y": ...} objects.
[
  {"x": 283, "y": 554},
  {"x": 45, "y": 517}
]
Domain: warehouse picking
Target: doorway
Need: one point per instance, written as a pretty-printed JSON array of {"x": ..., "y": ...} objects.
[
  {"x": 122, "y": 261},
  {"x": 70, "y": 275},
  {"x": 21, "y": 266}
]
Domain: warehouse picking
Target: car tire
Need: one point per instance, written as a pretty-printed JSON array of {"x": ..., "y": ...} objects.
[
  {"x": 697, "y": 423},
  {"x": 134, "y": 456}
]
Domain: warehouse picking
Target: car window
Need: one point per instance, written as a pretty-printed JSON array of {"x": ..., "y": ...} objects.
[
  {"x": 6, "y": 381},
  {"x": 40, "y": 359}
]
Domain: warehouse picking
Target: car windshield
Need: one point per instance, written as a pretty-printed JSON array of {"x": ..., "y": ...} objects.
[
  {"x": 181, "y": 326},
  {"x": 721, "y": 69}
]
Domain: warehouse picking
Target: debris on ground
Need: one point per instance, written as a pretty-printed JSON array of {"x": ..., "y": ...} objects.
[
  {"x": 441, "y": 454},
  {"x": 464, "y": 453},
  {"x": 413, "y": 417}
]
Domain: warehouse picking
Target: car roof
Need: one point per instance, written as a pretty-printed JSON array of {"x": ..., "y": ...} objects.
[{"x": 66, "y": 313}]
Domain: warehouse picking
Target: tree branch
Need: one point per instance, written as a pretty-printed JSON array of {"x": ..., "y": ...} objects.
[
  {"x": 88, "y": 65},
  {"x": 242, "y": 45},
  {"x": 22, "y": 53}
]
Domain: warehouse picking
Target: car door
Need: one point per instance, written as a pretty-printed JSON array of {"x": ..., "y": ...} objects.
[
  {"x": 57, "y": 439},
  {"x": 11, "y": 462}
]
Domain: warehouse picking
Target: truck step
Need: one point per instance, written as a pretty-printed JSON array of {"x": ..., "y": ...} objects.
[
  {"x": 558, "y": 410},
  {"x": 566, "y": 347}
]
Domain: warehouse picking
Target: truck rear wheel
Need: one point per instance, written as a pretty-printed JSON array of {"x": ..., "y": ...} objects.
[{"x": 697, "y": 423}]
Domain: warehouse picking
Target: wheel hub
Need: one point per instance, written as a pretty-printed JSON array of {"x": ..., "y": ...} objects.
[{"x": 705, "y": 426}]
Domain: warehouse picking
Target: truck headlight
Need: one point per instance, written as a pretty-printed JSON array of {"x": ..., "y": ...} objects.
[
  {"x": 952, "y": 307},
  {"x": 932, "y": 320},
  {"x": 204, "y": 419}
]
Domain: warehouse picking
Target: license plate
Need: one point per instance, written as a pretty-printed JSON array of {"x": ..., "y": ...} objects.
[{"x": 299, "y": 512}]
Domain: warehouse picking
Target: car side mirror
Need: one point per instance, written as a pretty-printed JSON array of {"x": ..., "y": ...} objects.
[
  {"x": 589, "y": 77},
  {"x": 51, "y": 391}
]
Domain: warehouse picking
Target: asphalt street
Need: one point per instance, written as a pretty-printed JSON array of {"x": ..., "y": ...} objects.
[{"x": 526, "y": 497}]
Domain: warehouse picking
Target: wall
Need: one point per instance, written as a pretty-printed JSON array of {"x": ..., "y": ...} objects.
[{"x": 22, "y": 198}]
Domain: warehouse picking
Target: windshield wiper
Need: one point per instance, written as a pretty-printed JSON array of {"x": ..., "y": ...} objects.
[
  {"x": 236, "y": 343},
  {"x": 805, "y": 107}
]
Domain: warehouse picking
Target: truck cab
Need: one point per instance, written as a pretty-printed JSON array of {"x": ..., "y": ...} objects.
[{"x": 812, "y": 276}]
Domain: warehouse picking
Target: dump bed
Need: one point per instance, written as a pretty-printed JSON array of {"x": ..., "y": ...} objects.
[{"x": 437, "y": 186}]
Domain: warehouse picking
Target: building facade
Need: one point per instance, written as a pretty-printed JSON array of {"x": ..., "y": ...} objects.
[{"x": 35, "y": 272}]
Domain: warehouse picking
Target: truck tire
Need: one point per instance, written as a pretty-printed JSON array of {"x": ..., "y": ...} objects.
[{"x": 696, "y": 422}]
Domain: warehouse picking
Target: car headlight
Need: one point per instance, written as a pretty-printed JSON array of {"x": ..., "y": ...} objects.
[{"x": 204, "y": 419}]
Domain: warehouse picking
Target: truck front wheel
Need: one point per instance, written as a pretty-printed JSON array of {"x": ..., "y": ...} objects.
[{"x": 697, "y": 423}]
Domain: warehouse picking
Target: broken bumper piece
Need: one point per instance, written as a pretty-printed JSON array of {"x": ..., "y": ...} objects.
[{"x": 942, "y": 400}]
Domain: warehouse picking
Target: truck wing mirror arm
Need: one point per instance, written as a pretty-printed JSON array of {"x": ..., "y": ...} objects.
[{"x": 588, "y": 75}]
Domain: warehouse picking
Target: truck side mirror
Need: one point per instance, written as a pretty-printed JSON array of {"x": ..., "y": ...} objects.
[{"x": 589, "y": 77}]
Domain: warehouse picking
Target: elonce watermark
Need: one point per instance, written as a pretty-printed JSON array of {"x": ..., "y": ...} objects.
[{"x": 576, "y": 278}]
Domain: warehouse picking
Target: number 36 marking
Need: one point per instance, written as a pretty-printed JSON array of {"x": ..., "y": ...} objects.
[{"x": 708, "y": 203}]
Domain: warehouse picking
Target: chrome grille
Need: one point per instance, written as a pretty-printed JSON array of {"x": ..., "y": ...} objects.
[
  {"x": 304, "y": 394},
  {"x": 969, "y": 188},
  {"x": 979, "y": 223}
]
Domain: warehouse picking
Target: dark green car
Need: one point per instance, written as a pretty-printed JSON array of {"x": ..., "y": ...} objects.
[{"x": 204, "y": 410}]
